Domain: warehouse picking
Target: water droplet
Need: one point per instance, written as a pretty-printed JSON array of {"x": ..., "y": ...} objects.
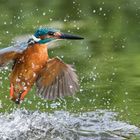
[
  {"x": 78, "y": 28},
  {"x": 94, "y": 11},
  {"x": 71, "y": 86},
  {"x": 17, "y": 80},
  {"x": 94, "y": 79},
  {"x": 81, "y": 89},
  {"x": 23, "y": 83},
  {"x": 6, "y": 68},
  {"x": 126, "y": 93},
  {"x": 44, "y": 13},
  {"x": 100, "y": 8},
  {"x": 77, "y": 99}
]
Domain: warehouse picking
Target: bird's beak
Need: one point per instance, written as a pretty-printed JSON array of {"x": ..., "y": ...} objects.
[{"x": 59, "y": 35}]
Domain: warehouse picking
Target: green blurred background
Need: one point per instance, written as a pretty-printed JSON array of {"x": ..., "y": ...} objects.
[{"x": 107, "y": 60}]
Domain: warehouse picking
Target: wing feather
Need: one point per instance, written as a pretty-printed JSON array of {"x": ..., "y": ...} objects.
[
  {"x": 11, "y": 53},
  {"x": 57, "y": 79}
]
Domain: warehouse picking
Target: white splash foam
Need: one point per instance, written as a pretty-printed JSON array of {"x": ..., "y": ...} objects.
[{"x": 60, "y": 125}]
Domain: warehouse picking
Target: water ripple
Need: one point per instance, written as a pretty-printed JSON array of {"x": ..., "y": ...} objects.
[{"x": 60, "y": 125}]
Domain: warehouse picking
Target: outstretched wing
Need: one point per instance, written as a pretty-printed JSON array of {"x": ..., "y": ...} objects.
[
  {"x": 57, "y": 80},
  {"x": 11, "y": 53}
]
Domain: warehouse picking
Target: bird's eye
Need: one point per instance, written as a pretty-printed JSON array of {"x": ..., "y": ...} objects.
[{"x": 50, "y": 33}]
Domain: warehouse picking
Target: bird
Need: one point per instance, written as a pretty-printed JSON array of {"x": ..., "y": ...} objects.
[{"x": 31, "y": 65}]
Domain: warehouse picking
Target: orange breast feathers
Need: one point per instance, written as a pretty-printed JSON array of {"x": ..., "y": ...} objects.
[{"x": 27, "y": 67}]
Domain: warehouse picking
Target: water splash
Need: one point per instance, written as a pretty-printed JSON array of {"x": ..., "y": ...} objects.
[{"x": 60, "y": 125}]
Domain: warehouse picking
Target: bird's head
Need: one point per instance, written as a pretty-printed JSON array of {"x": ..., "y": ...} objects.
[{"x": 45, "y": 35}]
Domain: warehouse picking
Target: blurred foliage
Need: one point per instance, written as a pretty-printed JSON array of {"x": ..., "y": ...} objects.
[{"x": 107, "y": 61}]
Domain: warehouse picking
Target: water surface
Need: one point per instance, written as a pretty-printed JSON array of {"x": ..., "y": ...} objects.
[{"x": 61, "y": 125}]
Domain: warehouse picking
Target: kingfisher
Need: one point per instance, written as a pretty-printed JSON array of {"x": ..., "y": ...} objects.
[{"x": 31, "y": 65}]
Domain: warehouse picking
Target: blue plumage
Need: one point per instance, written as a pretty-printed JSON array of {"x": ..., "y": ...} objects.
[{"x": 43, "y": 31}]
